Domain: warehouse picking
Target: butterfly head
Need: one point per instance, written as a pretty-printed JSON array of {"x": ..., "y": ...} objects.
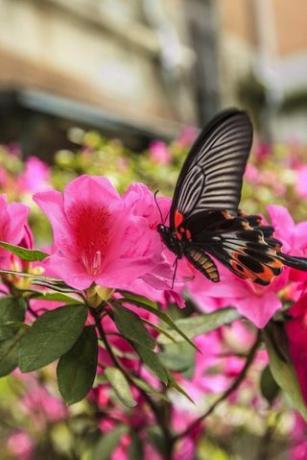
[{"x": 170, "y": 240}]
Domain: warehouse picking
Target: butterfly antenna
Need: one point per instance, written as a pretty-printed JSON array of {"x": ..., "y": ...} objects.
[{"x": 156, "y": 201}]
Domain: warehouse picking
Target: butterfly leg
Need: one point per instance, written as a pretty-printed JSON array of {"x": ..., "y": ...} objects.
[{"x": 175, "y": 265}]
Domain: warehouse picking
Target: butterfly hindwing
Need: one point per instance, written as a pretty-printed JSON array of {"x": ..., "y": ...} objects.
[{"x": 245, "y": 249}]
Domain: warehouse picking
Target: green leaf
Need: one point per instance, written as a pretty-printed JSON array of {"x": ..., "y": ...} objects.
[
  {"x": 52, "y": 335},
  {"x": 151, "y": 360},
  {"x": 139, "y": 299},
  {"x": 157, "y": 439},
  {"x": 108, "y": 443},
  {"x": 268, "y": 386},
  {"x": 12, "y": 312},
  {"x": 76, "y": 369},
  {"x": 149, "y": 389},
  {"x": 9, "y": 353},
  {"x": 201, "y": 324},
  {"x": 178, "y": 357},
  {"x": 285, "y": 375},
  {"x": 57, "y": 296},
  {"x": 161, "y": 315},
  {"x": 177, "y": 387},
  {"x": 120, "y": 385},
  {"x": 30, "y": 255},
  {"x": 132, "y": 327},
  {"x": 135, "y": 449}
]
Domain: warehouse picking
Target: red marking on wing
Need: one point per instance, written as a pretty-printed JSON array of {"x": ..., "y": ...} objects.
[{"x": 178, "y": 218}]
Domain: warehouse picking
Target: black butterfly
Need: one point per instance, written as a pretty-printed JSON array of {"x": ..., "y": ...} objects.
[{"x": 204, "y": 216}]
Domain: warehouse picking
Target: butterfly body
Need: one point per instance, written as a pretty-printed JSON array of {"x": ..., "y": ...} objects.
[{"x": 205, "y": 222}]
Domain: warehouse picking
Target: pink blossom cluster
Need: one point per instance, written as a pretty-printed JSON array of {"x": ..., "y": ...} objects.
[{"x": 110, "y": 240}]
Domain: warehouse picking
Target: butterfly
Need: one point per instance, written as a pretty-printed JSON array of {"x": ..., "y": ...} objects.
[{"x": 205, "y": 222}]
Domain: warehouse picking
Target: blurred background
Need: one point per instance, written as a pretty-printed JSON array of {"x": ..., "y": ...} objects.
[
  {"x": 143, "y": 69},
  {"x": 86, "y": 86}
]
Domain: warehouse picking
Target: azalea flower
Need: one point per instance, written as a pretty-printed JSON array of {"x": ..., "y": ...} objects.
[
  {"x": 100, "y": 237},
  {"x": 296, "y": 330},
  {"x": 35, "y": 177},
  {"x": 13, "y": 228},
  {"x": 21, "y": 445},
  {"x": 159, "y": 153}
]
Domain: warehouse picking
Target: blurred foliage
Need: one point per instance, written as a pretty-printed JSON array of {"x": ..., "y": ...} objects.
[
  {"x": 252, "y": 95},
  {"x": 295, "y": 101},
  {"x": 271, "y": 177}
]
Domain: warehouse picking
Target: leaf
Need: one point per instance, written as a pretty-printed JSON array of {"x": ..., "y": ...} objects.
[
  {"x": 157, "y": 439},
  {"x": 132, "y": 327},
  {"x": 285, "y": 376},
  {"x": 108, "y": 443},
  {"x": 201, "y": 324},
  {"x": 120, "y": 385},
  {"x": 55, "y": 285},
  {"x": 12, "y": 312},
  {"x": 30, "y": 255},
  {"x": 268, "y": 386},
  {"x": 151, "y": 360},
  {"x": 177, "y": 387},
  {"x": 139, "y": 299},
  {"x": 56, "y": 296},
  {"x": 9, "y": 353},
  {"x": 76, "y": 369},
  {"x": 52, "y": 335},
  {"x": 149, "y": 389},
  {"x": 178, "y": 357},
  {"x": 160, "y": 314},
  {"x": 136, "y": 448}
]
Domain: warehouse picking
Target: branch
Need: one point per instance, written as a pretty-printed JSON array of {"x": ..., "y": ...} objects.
[
  {"x": 234, "y": 386},
  {"x": 155, "y": 409}
]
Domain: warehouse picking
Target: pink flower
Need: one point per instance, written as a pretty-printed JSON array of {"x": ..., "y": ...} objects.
[
  {"x": 301, "y": 181},
  {"x": 294, "y": 239},
  {"x": 36, "y": 176},
  {"x": 20, "y": 445},
  {"x": 252, "y": 174},
  {"x": 159, "y": 153},
  {"x": 257, "y": 303},
  {"x": 13, "y": 227},
  {"x": 298, "y": 439},
  {"x": 293, "y": 236},
  {"x": 187, "y": 136},
  {"x": 37, "y": 402},
  {"x": 262, "y": 150},
  {"x": 296, "y": 330},
  {"x": 100, "y": 237}
]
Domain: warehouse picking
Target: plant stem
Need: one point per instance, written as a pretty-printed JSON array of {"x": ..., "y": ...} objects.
[
  {"x": 234, "y": 386},
  {"x": 158, "y": 414}
]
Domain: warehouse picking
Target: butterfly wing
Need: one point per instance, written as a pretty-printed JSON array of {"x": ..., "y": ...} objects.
[
  {"x": 242, "y": 244},
  {"x": 211, "y": 176}
]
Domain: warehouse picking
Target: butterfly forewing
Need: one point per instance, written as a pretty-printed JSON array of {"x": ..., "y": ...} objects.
[{"x": 211, "y": 177}]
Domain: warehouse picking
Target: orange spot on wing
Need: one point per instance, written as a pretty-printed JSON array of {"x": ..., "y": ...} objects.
[
  {"x": 276, "y": 263},
  {"x": 178, "y": 218},
  {"x": 267, "y": 275}
]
